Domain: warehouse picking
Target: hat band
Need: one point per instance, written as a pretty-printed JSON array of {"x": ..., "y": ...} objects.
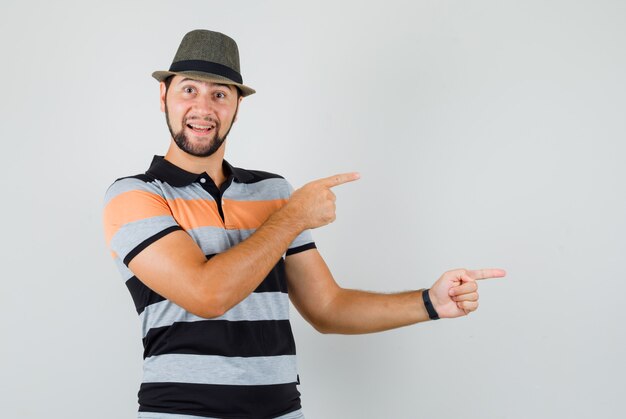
[{"x": 207, "y": 67}]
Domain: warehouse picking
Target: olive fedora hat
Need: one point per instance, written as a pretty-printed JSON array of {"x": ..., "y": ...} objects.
[{"x": 207, "y": 55}]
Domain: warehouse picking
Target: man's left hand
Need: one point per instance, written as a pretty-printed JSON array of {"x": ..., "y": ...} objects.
[{"x": 455, "y": 293}]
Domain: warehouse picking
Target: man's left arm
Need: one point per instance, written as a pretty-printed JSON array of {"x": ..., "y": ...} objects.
[{"x": 332, "y": 309}]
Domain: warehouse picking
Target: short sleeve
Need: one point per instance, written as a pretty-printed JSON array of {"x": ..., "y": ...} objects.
[{"x": 135, "y": 216}]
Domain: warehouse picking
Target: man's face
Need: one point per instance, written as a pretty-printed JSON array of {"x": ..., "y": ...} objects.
[{"x": 199, "y": 114}]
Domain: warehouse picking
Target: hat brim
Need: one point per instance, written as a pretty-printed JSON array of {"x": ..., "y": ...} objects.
[{"x": 199, "y": 75}]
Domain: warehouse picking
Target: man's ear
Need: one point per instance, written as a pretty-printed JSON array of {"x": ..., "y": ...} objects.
[
  {"x": 162, "y": 95},
  {"x": 237, "y": 114}
]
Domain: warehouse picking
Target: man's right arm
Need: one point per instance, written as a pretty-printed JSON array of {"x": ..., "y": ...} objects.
[{"x": 177, "y": 269}]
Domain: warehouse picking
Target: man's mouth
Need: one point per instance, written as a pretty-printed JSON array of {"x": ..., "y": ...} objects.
[{"x": 201, "y": 128}]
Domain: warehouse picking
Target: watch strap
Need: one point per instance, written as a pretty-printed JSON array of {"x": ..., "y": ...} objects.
[{"x": 432, "y": 313}]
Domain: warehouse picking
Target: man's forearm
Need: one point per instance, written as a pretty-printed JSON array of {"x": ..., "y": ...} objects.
[
  {"x": 235, "y": 274},
  {"x": 357, "y": 312}
]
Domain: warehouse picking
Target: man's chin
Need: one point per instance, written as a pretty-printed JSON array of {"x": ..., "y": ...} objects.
[
  {"x": 197, "y": 147},
  {"x": 198, "y": 153}
]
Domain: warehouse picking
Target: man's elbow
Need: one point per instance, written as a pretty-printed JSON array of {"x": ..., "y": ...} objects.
[
  {"x": 209, "y": 312},
  {"x": 323, "y": 330},
  {"x": 321, "y": 326},
  {"x": 208, "y": 306}
]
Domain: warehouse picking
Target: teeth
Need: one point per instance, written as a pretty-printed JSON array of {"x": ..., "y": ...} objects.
[{"x": 200, "y": 126}]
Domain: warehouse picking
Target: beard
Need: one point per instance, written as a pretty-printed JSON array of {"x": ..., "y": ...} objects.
[{"x": 199, "y": 150}]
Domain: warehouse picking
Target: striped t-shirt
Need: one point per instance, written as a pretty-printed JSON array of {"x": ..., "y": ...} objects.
[{"x": 239, "y": 365}]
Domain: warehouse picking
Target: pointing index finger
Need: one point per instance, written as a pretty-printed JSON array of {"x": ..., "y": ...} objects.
[
  {"x": 486, "y": 273},
  {"x": 340, "y": 179}
]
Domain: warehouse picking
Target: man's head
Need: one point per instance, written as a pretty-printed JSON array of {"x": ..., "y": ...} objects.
[
  {"x": 201, "y": 91},
  {"x": 199, "y": 113}
]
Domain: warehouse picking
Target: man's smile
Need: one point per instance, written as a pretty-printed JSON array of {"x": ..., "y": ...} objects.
[{"x": 201, "y": 128}]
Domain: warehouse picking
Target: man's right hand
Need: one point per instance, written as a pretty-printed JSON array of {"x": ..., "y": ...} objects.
[{"x": 313, "y": 205}]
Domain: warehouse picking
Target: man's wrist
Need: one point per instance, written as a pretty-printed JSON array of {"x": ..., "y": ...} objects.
[
  {"x": 288, "y": 219},
  {"x": 428, "y": 304},
  {"x": 291, "y": 217}
]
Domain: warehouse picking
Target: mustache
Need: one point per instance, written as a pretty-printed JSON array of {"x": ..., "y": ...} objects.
[{"x": 201, "y": 118}]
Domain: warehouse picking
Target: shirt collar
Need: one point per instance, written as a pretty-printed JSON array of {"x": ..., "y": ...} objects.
[{"x": 168, "y": 172}]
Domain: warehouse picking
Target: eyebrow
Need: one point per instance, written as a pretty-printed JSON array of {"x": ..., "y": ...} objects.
[{"x": 228, "y": 86}]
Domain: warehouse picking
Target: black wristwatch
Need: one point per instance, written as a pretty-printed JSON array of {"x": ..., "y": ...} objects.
[{"x": 432, "y": 313}]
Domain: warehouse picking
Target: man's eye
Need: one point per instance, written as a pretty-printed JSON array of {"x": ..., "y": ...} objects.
[
  {"x": 220, "y": 95},
  {"x": 189, "y": 90}
]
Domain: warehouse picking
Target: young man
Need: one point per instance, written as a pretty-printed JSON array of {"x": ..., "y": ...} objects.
[{"x": 212, "y": 254}]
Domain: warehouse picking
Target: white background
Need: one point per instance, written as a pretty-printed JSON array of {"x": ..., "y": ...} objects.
[{"x": 487, "y": 133}]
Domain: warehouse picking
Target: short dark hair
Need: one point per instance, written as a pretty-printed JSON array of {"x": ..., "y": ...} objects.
[{"x": 167, "y": 82}]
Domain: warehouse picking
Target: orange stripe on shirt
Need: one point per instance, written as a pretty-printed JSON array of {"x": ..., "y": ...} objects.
[
  {"x": 189, "y": 214},
  {"x": 194, "y": 213},
  {"x": 132, "y": 206},
  {"x": 245, "y": 215}
]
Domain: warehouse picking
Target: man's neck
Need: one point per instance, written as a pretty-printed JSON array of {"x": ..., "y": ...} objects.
[{"x": 212, "y": 165}]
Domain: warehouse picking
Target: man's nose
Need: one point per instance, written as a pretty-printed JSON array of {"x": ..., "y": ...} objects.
[{"x": 204, "y": 104}]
